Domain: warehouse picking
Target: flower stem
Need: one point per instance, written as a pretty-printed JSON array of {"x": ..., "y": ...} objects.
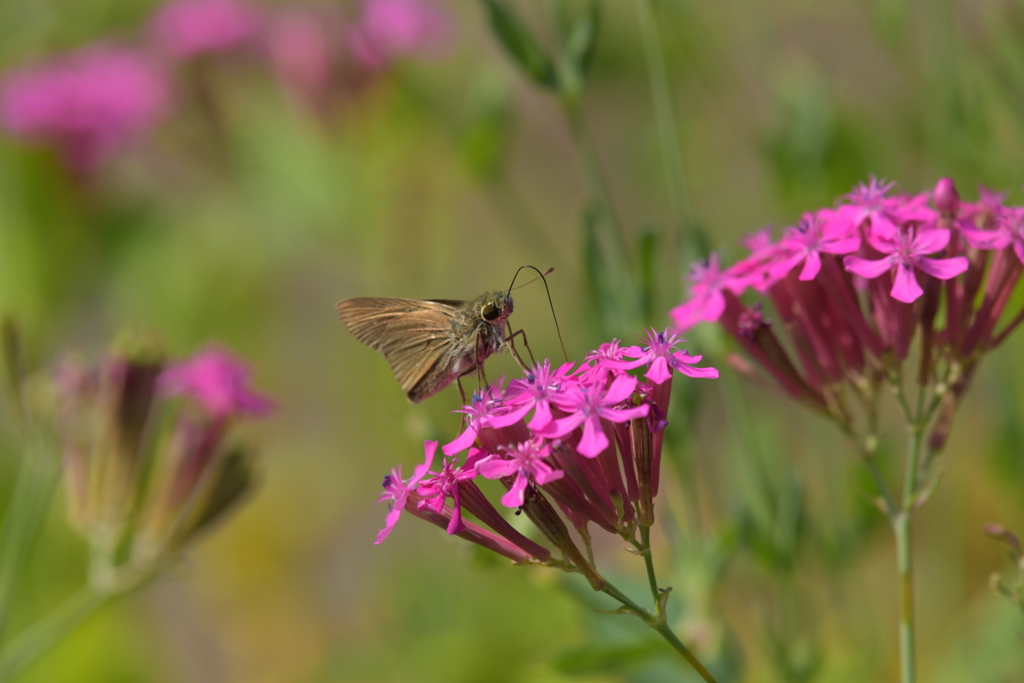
[
  {"x": 902, "y": 527},
  {"x": 662, "y": 628},
  {"x": 901, "y": 524},
  {"x": 38, "y": 639},
  {"x": 659, "y": 623},
  {"x": 645, "y": 542}
]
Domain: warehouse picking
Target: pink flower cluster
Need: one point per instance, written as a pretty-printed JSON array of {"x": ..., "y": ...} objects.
[
  {"x": 92, "y": 102},
  {"x": 183, "y": 29},
  {"x": 132, "y": 457},
  {"x": 592, "y": 443},
  {"x": 854, "y": 283},
  {"x": 88, "y": 102}
]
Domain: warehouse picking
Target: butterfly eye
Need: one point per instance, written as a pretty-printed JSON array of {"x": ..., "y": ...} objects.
[{"x": 490, "y": 312}]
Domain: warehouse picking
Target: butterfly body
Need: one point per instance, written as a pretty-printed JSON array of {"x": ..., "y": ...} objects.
[{"x": 429, "y": 344}]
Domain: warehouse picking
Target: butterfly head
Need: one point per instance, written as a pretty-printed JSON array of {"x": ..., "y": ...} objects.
[{"x": 496, "y": 307}]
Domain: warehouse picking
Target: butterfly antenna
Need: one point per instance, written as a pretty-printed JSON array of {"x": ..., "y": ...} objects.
[{"x": 550, "y": 302}]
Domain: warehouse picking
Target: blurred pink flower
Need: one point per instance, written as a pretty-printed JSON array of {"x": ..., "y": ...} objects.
[
  {"x": 87, "y": 102},
  {"x": 390, "y": 29},
  {"x": 301, "y": 52},
  {"x": 187, "y": 28},
  {"x": 218, "y": 381}
]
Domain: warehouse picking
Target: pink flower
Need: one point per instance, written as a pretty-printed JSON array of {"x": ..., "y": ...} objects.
[
  {"x": 302, "y": 53},
  {"x": 444, "y": 485},
  {"x": 218, "y": 381},
  {"x": 397, "y": 491},
  {"x": 812, "y": 237},
  {"x": 869, "y": 203},
  {"x": 88, "y": 102},
  {"x": 757, "y": 240},
  {"x": 188, "y": 28},
  {"x": 534, "y": 393},
  {"x": 590, "y": 404},
  {"x": 660, "y": 357},
  {"x": 390, "y": 29},
  {"x": 707, "y": 303},
  {"x": 906, "y": 253},
  {"x": 526, "y": 462},
  {"x": 479, "y": 414},
  {"x": 945, "y": 196}
]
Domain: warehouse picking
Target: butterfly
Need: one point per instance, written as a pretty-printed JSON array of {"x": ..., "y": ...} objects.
[{"x": 430, "y": 344}]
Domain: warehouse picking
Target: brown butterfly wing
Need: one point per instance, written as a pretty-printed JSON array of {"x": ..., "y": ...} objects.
[{"x": 414, "y": 337}]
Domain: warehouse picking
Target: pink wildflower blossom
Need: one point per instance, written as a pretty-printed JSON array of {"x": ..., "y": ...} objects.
[
  {"x": 535, "y": 392},
  {"x": 661, "y": 357},
  {"x": 218, "y": 381},
  {"x": 397, "y": 490},
  {"x": 845, "y": 312},
  {"x": 443, "y": 485},
  {"x": 587, "y": 406},
  {"x": 526, "y": 462},
  {"x": 593, "y": 445},
  {"x": 392, "y": 29},
  {"x": 907, "y": 252},
  {"x": 188, "y": 28},
  {"x": 87, "y": 103},
  {"x": 707, "y": 302},
  {"x": 814, "y": 236}
]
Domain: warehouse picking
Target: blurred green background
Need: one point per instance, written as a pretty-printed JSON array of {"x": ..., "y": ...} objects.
[{"x": 437, "y": 179}]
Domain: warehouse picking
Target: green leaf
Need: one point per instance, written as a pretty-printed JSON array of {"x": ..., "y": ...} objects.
[
  {"x": 581, "y": 40},
  {"x": 520, "y": 44}
]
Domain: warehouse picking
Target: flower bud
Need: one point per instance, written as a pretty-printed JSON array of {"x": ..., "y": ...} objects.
[{"x": 945, "y": 196}]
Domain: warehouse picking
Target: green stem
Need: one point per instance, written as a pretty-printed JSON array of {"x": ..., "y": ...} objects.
[
  {"x": 902, "y": 527},
  {"x": 39, "y": 638},
  {"x": 614, "y": 592},
  {"x": 27, "y": 509},
  {"x": 645, "y": 541},
  {"x": 662, "y": 628},
  {"x": 904, "y": 562},
  {"x": 890, "y": 505},
  {"x": 659, "y": 624}
]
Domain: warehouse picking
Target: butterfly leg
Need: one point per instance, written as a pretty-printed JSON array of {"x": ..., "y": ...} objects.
[
  {"x": 510, "y": 340},
  {"x": 462, "y": 392}
]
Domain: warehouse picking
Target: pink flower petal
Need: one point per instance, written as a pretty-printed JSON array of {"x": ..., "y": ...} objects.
[
  {"x": 514, "y": 497},
  {"x": 626, "y": 414},
  {"x": 942, "y": 268},
  {"x": 867, "y": 268},
  {"x": 495, "y": 469},
  {"x": 812, "y": 264},
  {"x": 905, "y": 287},
  {"x": 559, "y": 428},
  {"x": 882, "y": 227},
  {"x": 659, "y": 370},
  {"x": 621, "y": 389},
  {"x": 541, "y": 416},
  {"x": 502, "y": 421},
  {"x": 841, "y": 246},
  {"x": 594, "y": 440},
  {"x": 389, "y": 523},
  {"x": 930, "y": 241},
  {"x": 464, "y": 441}
]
